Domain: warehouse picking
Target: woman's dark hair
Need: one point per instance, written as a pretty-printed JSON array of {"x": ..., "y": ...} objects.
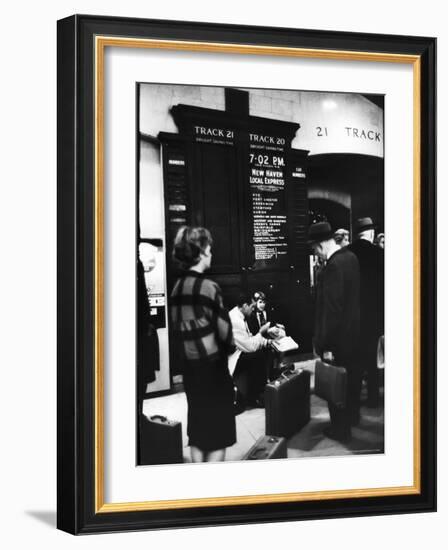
[
  {"x": 189, "y": 243},
  {"x": 259, "y": 295}
]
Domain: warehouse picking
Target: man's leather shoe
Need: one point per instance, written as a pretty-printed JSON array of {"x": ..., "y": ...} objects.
[{"x": 341, "y": 437}]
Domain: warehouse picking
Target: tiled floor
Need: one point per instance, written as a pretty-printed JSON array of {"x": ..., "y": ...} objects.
[{"x": 367, "y": 438}]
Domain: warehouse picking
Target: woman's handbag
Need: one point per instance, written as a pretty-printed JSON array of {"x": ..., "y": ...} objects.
[{"x": 330, "y": 383}]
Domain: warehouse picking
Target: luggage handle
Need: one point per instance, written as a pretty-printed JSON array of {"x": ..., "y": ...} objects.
[
  {"x": 158, "y": 417},
  {"x": 289, "y": 370},
  {"x": 332, "y": 363},
  {"x": 256, "y": 454}
]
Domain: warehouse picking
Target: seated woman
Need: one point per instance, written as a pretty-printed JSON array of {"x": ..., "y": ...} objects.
[
  {"x": 203, "y": 330},
  {"x": 259, "y": 315},
  {"x": 262, "y": 315}
]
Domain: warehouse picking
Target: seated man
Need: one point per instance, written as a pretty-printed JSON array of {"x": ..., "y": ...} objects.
[{"x": 250, "y": 362}]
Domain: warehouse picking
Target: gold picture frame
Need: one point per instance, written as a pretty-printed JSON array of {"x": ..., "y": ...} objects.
[{"x": 80, "y": 35}]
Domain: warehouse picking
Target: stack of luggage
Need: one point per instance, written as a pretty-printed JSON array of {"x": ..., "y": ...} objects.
[{"x": 287, "y": 406}]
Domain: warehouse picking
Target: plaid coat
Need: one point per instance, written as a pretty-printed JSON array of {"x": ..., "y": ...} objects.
[{"x": 199, "y": 318}]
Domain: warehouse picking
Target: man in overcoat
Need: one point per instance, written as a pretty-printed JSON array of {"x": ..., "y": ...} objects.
[
  {"x": 371, "y": 265},
  {"x": 336, "y": 331}
]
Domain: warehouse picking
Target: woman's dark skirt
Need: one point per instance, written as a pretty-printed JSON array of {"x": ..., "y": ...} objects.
[{"x": 211, "y": 418}]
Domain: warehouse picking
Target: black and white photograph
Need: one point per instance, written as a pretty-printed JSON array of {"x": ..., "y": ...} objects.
[
  {"x": 222, "y": 330},
  {"x": 260, "y": 245}
]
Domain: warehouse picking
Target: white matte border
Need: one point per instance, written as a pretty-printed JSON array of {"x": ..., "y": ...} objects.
[{"x": 124, "y": 482}]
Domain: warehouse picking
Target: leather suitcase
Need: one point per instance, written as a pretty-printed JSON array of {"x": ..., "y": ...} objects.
[
  {"x": 160, "y": 440},
  {"x": 330, "y": 383},
  {"x": 267, "y": 447},
  {"x": 287, "y": 403}
]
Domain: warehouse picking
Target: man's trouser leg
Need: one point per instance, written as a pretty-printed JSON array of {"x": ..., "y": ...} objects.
[
  {"x": 340, "y": 422},
  {"x": 371, "y": 368},
  {"x": 250, "y": 375},
  {"x": 240, "y": 379},
  {"x": 354, "y": 382}
]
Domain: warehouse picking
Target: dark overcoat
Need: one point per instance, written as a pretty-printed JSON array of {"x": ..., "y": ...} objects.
[
  {"x": 337, "y": 307},
  {"x": 148, "y": 358},
  {"x": 252, "y": 321},
  {"x": 371, "y": 266}
]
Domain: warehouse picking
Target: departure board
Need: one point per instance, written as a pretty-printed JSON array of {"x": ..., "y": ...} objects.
[{"x": 267, "y": 168}]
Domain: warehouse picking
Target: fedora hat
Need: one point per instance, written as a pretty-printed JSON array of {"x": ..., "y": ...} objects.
[
  {"x": 318, "y": 232},
  {"x": 363, "y": 224}
]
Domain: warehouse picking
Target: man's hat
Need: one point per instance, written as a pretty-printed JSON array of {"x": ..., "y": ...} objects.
[
  {"x": 318, "y": 232},
  {"x": 363, "y": 224}
]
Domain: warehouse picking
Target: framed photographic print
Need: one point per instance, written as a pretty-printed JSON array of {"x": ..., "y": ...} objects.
[{"x": 246, "y": 215}]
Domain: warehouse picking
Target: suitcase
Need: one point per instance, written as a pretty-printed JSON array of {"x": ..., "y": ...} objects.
[
  {"x": 160, "y": 440},
  {"x": 330, "y": 383},
  {"x": 267, "y": 447},
  {"x": 287, "y": 403}
]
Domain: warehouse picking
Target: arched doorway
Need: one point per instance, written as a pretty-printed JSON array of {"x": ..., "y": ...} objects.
[
  {"x": 331, "y": 211},
  {"x": 341, "y": 183}
]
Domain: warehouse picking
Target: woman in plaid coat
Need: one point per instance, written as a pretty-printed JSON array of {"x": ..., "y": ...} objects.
[{"x": 203, "y": 328}]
